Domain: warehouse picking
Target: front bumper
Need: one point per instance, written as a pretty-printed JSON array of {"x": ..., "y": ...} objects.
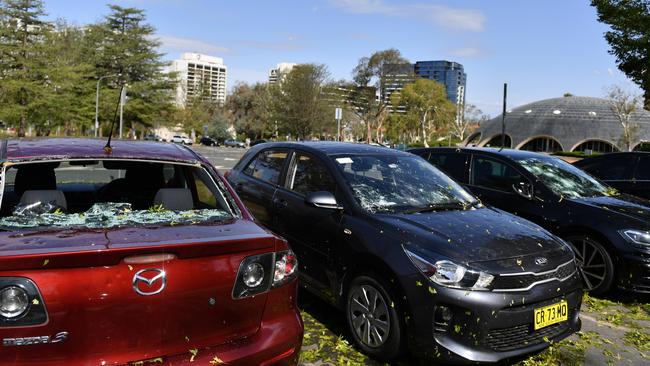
[
  {"x": 490, "y": 327},
  {"x": 633, "y": 272}
]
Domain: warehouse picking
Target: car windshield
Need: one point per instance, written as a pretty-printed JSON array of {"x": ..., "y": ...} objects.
[
  {"x": 406, "y": 184},
  {"x": 564, "y": 179},
  {"x": 108, "y": 193}
]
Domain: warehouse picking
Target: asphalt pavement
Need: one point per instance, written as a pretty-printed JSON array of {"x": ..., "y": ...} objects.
[{"x": 223, "y": 158}]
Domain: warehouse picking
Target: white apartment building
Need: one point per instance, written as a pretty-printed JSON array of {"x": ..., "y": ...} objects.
[
  {"x": 279, "y": 72},
  {"x": 200, "y": 76}
]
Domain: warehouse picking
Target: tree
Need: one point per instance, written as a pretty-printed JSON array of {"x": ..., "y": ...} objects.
[
  {"x": 253, "y": 108},
  {"x": 22, "y": 60},
  {"x": 123, "y": 44},
  {"x": 427, "y": 101},
  {"x": 471, "y": 116},
  {"x": 302, "y": 107},
  {"x": 629, "y": 38},
  {"x": 367, "y": 80},
  {"x": 625, "y": 105}
]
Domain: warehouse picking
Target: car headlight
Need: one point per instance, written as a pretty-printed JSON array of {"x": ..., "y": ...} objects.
[
  {"x": 636, "y": 236},
  {"x": 450, "y": 274}
]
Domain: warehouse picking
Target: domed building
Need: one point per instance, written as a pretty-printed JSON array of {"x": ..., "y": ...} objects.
[{"x": 562, "y": 124}]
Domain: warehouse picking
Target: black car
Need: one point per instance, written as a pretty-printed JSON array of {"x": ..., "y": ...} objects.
[
  {"x": 208, "y": 141},
  {"x": 609, "y": 231},
  {"x": 408, "y": 254},
  {"x": 629, "y": 172}
]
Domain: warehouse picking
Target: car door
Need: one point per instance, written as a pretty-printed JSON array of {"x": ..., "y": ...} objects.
[
  {"x": 257, "y": 182},
  {"x": 494, "y": 180},
  {"x": 642, "y": 177},
  {"x": 311, "y": 231}
]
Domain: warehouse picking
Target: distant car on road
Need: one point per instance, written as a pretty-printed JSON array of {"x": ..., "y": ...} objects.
[
  {"x": 208, "y": 141},
  {"x": 609, "y": 231},
  {"x": 629, "y": 172},
  {"x": 410, "y": 255},
  {"x": 181, "y": 139},
  {"x": 146, "y": 243},
  {"x": 153, "y": 137},
  {"x": 234, "y": 143}
]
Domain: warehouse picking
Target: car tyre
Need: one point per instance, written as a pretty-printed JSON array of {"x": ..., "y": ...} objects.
[
  {"x": 594, "y": 262},
  {"x": 372, "y": 314}
]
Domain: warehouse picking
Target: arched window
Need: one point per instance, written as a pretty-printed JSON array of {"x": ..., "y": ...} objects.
[
  {"x": 642, "y": 146},
  {"x": 498, "y": 141},
  {"x": 542, "y": 144},
  {"x": 598, "y": 146}
]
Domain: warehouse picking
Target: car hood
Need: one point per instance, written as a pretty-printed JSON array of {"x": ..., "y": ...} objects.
[
  {"x": 484, "y": 238},
  {"x": 628, "y": 206}
]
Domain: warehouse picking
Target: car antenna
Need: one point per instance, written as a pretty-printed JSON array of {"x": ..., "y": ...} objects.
[
  {"x": 108, "y": 149},
  {"x": 503, "y": 117}
]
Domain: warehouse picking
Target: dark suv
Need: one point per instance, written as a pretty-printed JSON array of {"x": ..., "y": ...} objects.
[
  {"x": 409, "y": 254},
  {"x": 628, "y": 172},
  {"x": 609, "y": 231}
]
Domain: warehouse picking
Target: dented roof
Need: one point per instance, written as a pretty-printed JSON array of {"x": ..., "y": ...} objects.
[{"x": 87, "y": 148}]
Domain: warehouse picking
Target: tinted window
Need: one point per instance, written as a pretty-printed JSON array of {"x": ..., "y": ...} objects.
[
  {"x": 611, "y": 168},
  {"x": 310, "y": 175},
  {"x": 643, "y": 170},
  {"x": 267, "y": 166},
  {"x": 494, "y": 174},
  {"x": 455, "y": 165}
]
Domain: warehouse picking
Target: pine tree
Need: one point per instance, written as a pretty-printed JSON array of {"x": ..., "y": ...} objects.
[{"x": 22, "y": 61}]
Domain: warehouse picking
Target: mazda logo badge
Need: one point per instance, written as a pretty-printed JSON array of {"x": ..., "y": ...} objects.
[
  {"x": 540, "y": 261},
  {"x": 149, "y": 281}
]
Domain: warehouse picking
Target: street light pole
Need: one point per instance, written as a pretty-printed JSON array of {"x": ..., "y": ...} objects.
[{"x": 97, "y": 101}]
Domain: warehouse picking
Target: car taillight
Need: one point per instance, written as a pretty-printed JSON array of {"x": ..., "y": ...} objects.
[
  {"x": 286, "y": 266},
  {"x": 21, "y": 303},
  {"x": 259, "y": 273}
]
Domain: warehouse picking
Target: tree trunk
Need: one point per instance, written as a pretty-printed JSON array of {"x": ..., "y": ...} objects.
[
  {"x": 21, "y": 126},
  {"x": 369, "y": 132},
  {"x": 424, "y": 130}
]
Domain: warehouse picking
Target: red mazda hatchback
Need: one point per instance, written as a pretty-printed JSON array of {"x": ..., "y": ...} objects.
[{"x": 143, "y": 254}]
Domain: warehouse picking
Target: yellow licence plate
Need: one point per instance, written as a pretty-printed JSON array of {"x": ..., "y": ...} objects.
[{"x": 551, "y": 314}]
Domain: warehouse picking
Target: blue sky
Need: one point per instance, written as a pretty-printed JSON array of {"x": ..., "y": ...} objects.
[{"x": 542, "y": 49}]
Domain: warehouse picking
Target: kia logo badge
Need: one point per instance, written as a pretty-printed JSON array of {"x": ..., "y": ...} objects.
[
  {"x": 540, "y": 261},
  {"x": 149, "y": 281}
]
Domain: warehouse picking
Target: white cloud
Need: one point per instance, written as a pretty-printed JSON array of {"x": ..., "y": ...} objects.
[
  {"x": 610, "y": 71},
  {"x": 181, "y": 44},
  {"x": 467, "y": 52},
  {"x": 440, "y": 15}
]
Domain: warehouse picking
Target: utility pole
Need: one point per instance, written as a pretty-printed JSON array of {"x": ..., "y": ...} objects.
[
  {"x": 503, "y": 116},
  {"x": 122, "y": 101},
  {"x": 338, "y": 114}
]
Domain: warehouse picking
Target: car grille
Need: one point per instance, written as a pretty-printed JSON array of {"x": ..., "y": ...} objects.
[
  {"x": 508, "y": 339},
  {"x": 525, "y": 281}
]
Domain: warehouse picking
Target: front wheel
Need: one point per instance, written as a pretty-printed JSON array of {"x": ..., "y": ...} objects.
[
  {"x": 373, "y": 320},
  {"x": 594, "y": 262}
]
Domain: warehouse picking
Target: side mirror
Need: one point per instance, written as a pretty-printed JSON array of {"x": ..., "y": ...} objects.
[
  {"x": 322, "y": 199},
  {"x": 523, "y": 189}
]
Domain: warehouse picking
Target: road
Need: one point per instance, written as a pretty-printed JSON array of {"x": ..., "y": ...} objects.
[{"x": 224, "y": 158}]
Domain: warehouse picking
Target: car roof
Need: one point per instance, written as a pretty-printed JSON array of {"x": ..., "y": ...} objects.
[
  {"x": 603, "y": 156},
  {"x": 508, "y": 153},
  {"x": 17, "y": 150},
  {"x": 334, "y": 147}
]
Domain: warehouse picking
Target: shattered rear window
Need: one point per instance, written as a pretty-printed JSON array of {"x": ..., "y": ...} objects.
[{"x": 108, "y": 193}]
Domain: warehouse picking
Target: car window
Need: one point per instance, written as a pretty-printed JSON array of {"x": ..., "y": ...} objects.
[
  {"x": 267, "y": 166},
  {"x": 493, "y": 174},
  {"x": 453, "y": 164},
  {"x": 109, "y": 193},
  {"x": 310, "y": 175},
  {"x": 643, "y": 169},
  {"x": 611, "y": 167}
]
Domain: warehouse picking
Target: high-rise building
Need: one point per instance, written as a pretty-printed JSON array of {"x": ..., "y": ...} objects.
[
  {"x": 200, "y": 76},
  {"x": 450, "y": 74},
  {"x": 280, "y": 71}
]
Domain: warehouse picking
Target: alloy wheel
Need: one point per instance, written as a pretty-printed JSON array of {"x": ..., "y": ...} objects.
[
  {"x": 369, "y": 315},
  {"x": 590, "y": 257}
]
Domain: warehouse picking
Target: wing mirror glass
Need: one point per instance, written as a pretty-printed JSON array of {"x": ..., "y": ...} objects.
[
  {"x": 322, "y": 200},
  {"x": 523, "y": 189}
]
